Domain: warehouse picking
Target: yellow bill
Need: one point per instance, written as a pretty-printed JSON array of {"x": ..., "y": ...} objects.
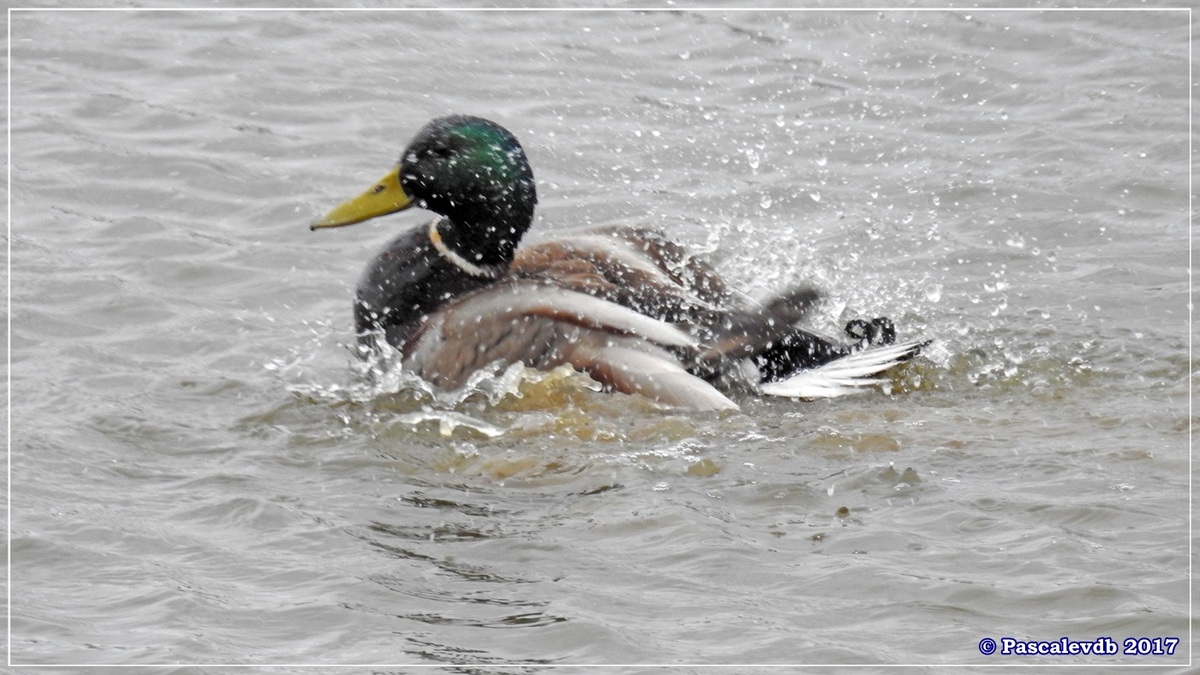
[{"x": 384, "y": 197}]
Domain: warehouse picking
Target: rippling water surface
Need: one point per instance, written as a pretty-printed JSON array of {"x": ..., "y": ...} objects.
[{"x": 202, "y": 474}]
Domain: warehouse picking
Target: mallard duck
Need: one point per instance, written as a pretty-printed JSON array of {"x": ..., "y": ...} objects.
[{"x": 626, "y": 305}]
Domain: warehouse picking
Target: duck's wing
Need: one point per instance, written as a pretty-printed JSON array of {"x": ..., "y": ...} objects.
[
  {"x": 544, "y": 326},
  {"x": 634, "y": 267}
]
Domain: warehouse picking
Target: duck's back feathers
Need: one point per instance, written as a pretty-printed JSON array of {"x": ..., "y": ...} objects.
[{"x": 634, "y": 267}]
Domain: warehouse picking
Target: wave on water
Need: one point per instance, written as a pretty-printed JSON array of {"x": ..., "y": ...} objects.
[{"x": 496, "y": 401}]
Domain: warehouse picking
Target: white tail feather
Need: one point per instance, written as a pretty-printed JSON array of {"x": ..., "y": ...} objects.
[{"x": 847, "y": 375}]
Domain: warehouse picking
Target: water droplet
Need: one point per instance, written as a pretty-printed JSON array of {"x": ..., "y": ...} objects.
[
  {"x": 765, "y": 202},
  {"x": 933, "y": 292},
  {"x": 816, "y": 196},
  {"x": 752, "y": 158}
]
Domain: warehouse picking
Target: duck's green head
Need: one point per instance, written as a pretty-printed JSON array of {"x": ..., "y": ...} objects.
[{"x": 468, "y": 169}]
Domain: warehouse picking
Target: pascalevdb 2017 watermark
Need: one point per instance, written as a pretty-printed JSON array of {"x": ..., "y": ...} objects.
[{"x": 1065, "y": 646}]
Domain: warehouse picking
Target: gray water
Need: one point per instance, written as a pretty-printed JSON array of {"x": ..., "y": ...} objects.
[{"x": 201, "y": 473}]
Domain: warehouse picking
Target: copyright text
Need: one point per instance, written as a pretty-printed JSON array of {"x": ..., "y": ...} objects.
[{"x": 1065, "y": 646}]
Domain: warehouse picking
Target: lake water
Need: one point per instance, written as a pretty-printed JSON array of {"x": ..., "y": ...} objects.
[{"x": 202, "y": 474}]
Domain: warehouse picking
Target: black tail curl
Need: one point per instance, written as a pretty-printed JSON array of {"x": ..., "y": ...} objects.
[{"x": 879, "y": 331}]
